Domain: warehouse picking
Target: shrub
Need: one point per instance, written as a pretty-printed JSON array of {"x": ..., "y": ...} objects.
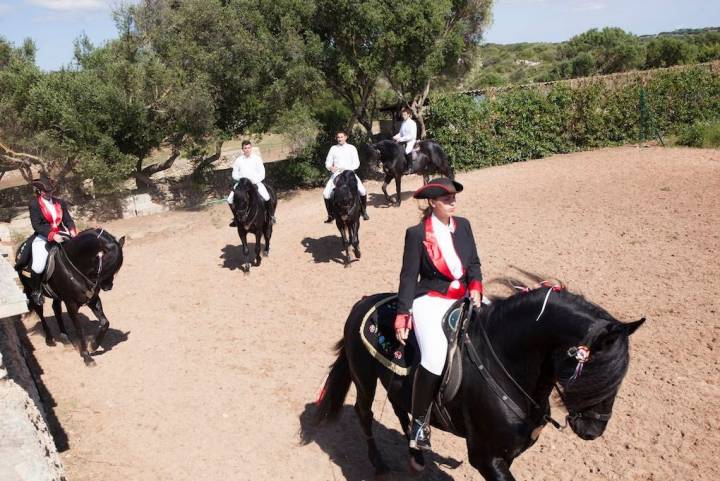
[
  {"x": 527, "y": 123},
  {"x": 701, "y": 134}
]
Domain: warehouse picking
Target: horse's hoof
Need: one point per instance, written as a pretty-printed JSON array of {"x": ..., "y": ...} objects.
[
  {"x": 357, "y": 253},
  {"x": 65, "y": 339},
  {"x": 49, "y": 341},
  {"x": 346, "y": 265},
  {"x": 89, "y": 361},
  {"x": 266, "y": 253}
]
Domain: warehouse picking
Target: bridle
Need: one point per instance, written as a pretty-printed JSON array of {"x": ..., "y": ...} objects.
[
  {"x": 581, "y": 353},
  {"x": 247, "y": 218}
]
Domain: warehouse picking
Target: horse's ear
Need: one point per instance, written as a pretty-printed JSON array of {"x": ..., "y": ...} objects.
[
  {"x": 121, "y": 241},
  {"x": 631, "y": 327}
]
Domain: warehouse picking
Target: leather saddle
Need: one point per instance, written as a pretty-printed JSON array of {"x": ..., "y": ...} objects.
[
  {"x": 23, "y": 258},
  {"x": 377, "y": 332}
]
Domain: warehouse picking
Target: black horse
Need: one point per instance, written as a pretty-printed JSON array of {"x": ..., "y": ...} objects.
[
  {"x": 253, "y": 216},
  {"x": 528, "y": 343},
  {"x": 346, "y": 210},
  {"x": 426, "y": 158},
  {"x": 84, "y": 265}
]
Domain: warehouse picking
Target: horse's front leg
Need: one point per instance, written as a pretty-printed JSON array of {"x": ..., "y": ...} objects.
[
  {"x": 57, "y": 310},
  {"x": 96, "y": 306},
  {"x": 73, "y": 312},
  {"x": 398, "y": 189},
  {"x": 245, "y": 265},
  {"x": 268, "y": 234},
  {"x": 355, "y": 238},
  {"x": 386, "y": 182},
  {"x": 492, "y": 468},
  {"x": 258, "y": 246},
  {"x": 345, "y": 242}
]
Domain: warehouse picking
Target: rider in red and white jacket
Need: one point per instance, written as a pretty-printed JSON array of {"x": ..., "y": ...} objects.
[{"x": 52, "y": 222}]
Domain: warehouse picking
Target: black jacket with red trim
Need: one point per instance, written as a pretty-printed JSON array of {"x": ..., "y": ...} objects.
[
  {"x": 41, "y": 225},
  {"x": 419, "y": 275}
]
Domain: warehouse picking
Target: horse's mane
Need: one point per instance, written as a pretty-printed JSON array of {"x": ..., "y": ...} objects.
[{"x": 608, "y": 342}]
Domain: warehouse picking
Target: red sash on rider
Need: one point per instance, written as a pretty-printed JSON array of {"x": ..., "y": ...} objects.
[
  {"x": 54, "y": 224},
  {"x": 433, "y": 249}
]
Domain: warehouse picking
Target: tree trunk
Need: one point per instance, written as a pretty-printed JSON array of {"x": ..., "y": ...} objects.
[{"x": 210, "y": 159}]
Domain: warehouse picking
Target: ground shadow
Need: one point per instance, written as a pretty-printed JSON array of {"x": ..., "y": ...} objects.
[
  {"x": 345, "y": 444},
  {"x": 325, "y": 249},
  {"x": 233, "y": 257},
  {"x": 57, "y": 432},
  {"x": 379, "y": 200},
  {"x": 90, "y": 328}
]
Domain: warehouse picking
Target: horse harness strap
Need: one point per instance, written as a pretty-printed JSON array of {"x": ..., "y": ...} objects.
[
  {"x": 495, "y": 386},
  {"x": 89, "y": 292}
]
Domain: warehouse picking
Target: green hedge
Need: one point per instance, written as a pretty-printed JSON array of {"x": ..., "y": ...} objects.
[{"x": 529, "y": 123}]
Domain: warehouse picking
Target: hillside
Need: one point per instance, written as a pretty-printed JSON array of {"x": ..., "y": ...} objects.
[{"x": 594, "y": 52}]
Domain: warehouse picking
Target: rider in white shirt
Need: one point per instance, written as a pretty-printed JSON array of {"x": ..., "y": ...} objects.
[
  {"x": 343, "y": 156},
  {"x": 407, "y": 136},
  {"x": 249, "y": 165}
]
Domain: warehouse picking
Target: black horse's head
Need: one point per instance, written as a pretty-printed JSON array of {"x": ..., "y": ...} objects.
[
  {"x": 591, "y": 366},
  {"x": 112, "y": 257},
  {"x": 583, "y": 349},
  {"x": 345, "y": 196},
  {"x": 97, "y": 254},
  {"x": 373, "y": 153},
  {"x": 244, "y": 193},
  {"x": 387, "y": 153}
]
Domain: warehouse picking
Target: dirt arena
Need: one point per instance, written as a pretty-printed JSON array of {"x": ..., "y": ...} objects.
[{"x": 209, "y": 373}]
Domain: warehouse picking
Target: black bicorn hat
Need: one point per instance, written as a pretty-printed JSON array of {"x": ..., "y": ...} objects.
[
  {"x": 438, "y": 188},
  {"x": 43, "y": 184}
]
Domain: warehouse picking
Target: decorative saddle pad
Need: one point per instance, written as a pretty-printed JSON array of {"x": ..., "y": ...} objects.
[
  {"x": 377, "y": 331},
  {"x": 23, "y": 258}
]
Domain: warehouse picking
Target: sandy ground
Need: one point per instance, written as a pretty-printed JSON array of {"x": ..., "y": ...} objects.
[{"x": 208, "y": 372}]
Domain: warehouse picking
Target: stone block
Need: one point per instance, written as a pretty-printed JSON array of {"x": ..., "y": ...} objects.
[{"x": 141, "y": 204}]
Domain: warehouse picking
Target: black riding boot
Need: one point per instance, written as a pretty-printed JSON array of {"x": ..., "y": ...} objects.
[
  {"x": 270, "y": 210},
  {"x": 424, "y": 389},
  {"x": 408, "y": 164},
  {"x": 36, "y": 294},
  {"x": 233, "y": 223},
  {"x": 363, "y": 207},
  {"x": 330, "y": 217}
]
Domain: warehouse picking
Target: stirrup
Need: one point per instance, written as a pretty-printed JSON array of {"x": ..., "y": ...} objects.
[
  {"x": 419, "y": 435},
  {"x": 37, "y": 297}
]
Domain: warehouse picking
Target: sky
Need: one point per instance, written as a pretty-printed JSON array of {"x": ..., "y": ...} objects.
[{"x": 55, "y": 24}]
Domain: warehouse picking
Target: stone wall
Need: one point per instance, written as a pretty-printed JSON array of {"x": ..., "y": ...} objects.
[{"x": 27, "y": 449}]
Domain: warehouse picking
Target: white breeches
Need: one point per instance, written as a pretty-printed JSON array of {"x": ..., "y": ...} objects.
[
  {"x": 262, "y": 190},
  {"x": 427, "y": 314},
  {"x": 330, "y": 186},
  {"x": 39, "y": 254}
]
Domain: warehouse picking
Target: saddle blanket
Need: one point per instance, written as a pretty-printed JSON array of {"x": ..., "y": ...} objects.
[{"x": 377, "y": 332}]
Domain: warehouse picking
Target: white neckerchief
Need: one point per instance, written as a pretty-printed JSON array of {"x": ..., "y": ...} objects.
[
  {"x": 51, "y": 207},
  {"x": 447, "y": 247}
]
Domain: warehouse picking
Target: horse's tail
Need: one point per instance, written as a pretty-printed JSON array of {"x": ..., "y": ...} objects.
[{"x": 336, "y": 386}]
